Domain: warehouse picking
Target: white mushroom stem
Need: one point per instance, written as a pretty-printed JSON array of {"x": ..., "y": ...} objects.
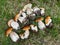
[
  {"x": 13, "y": 24},
  {"x": 14, "y": 36},
  {"x": 22, "y": 17},
  {"x": 41, "y": 25}
]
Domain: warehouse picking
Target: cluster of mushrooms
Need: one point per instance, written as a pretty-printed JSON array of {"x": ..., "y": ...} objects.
[{"x": 28, "y": 19}]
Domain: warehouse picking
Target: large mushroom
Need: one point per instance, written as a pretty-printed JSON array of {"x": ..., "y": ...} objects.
[
  {"x": 14, "y": 36},
  {"x": 13, "y": 24},
  {"x": 41, "y": 25}
]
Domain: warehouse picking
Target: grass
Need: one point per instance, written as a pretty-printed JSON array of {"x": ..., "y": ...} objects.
[{"x": 9, "y": 8}]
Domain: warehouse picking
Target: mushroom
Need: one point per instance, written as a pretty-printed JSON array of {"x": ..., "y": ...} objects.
[
  {"x": 25, "y": 35},
  {"x": 42, "y": 11},
  {"x": 41, "y": 25},
  {"x": 13, "y": 24},
  {"x": 48, "y": 22},
  {"x": 22, "y": 17},
  {"x": 32, "y": 16},
  {"x": 39, "y": 11},
  {"x": 34, "y": 27},
  {"x": 14, "y": 36},
  {"x": 17, "y": 16}
]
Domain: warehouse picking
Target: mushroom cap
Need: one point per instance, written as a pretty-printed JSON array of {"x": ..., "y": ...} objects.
[
  {"x": 8, "y": 31},
  {"x": 47, "y": 19},
  {"x": 16, "y": 17},
  {"x": 9, "y": 22},
  {"x": 14, "y": 36},
  {"x": 39, "y": 19},
  {"x": 26, "y": 28}
]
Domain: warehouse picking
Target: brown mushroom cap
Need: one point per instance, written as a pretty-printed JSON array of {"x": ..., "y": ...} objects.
[
  {"x": 16, "y": 17},
  {"x": 8, "y": 31},
  {"x": 26, "y": 28},
  {"x": 47, "y": 19},
  {"x": 38, "y": 19}
]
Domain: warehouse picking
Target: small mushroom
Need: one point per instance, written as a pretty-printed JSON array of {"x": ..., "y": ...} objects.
[
  {"x": 25, "y": 35},
  {"x": 22, "y": 17},
  {"x": 48, "y": 22},
  {"x": 32, "y": 16},
  {"x": 34, "y": 27},
  {"x": 41, "y": 25},
  {"x": 39, "y": 11},
  {"x": 17, "y": 16},
  {"x": 8, "y": 31},
  {"x": 14, "y": 36}
]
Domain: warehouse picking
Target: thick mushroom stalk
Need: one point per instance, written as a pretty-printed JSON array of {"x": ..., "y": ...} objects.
[
  {"x": 41, "y": 25},
  {"x": 14, "y": 36},
  {"x": 13, "y": 24}
]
